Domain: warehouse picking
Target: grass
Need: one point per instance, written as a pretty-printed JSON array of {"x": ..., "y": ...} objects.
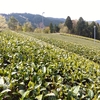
[
  {"x": 79, "y": 40},
  {"x": 82, "y": 46},
  {"x": 69, "y": 38}
]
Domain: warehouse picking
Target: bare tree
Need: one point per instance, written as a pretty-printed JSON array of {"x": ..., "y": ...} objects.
[{"x": 3, "y": 24}]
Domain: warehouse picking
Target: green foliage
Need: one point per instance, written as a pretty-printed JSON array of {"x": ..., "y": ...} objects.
[
  {"x": 38, "y": 30},
  {"x": 50, "y": 96},
  {"x": 27, "y": 27},
  {"x": 64, "y": 29},
  {"x": 56, "y": 28},
  {"x": 46, "y": 30},
  {"x": 80, "y": 25},
  {"x": 51, "y": 28},
  {"x": 91, "y": 27},
  {"x": 13, "y": 23},
  {"x": 32, "y": 69},
  {"x": 81, "y": 50},
  {"x": 68, "y": 23}
]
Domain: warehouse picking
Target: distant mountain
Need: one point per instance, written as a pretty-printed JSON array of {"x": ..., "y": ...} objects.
[
  {"x": 35, "y": 19},
  {"x": 98, "y": 21}
]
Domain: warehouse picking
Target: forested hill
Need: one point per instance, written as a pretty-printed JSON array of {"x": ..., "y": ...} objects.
[{"x": 35, "y": 19}]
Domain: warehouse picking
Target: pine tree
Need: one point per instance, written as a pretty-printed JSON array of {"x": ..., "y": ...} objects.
[
  {"x": 56, "y": 28},
  {"x": 68, "y": 23},
  {"x": 51, "y": 28},
  {"x": 80, "y": 25}
]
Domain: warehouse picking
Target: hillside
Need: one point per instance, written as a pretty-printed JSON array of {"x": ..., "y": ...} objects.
[
  {"x": 35, "y": 19},
  {"x": 82, "y": 46},
  {"x": 33, "y": 68}
]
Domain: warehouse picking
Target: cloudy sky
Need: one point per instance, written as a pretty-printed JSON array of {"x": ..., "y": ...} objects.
[{"x": 88, "y": 9}]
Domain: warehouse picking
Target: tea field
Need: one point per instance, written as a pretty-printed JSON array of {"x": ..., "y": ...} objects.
[
  {"x": 82, "y": 46},
  {"x": 34, "y": 67}
]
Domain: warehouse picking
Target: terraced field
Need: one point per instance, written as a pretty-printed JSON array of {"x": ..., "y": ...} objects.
[
  {"x": 82, "y": 46},
  {"x": 37, "y": 67}
]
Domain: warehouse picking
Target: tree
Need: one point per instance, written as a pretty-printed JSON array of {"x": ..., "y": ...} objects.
[
  {"x": 64, "y": 29},
  {"x": 38, "y": 30},
  {"x": 19, "y": 27},
  {"x": 92, "y": 30},
  {"x": 3, "y": 24},
  {"x": 98, "y": 35},
  {"x": 46, "y": 30},
  {"x": 28, "y": 27},
  {"x": 80, "y": 25},
  {"x": 61, "y": 25},
  {"x": 13, "y": 23},
  {"x": 86, "y": 31},
  {"x": 68, "y": 23},
  {"x": 51, "y": 28},
  {"x": 56, "y": 28}
]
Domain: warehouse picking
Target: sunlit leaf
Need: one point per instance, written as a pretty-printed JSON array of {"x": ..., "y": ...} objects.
[
  {"x": 90, "y": 93},
  {"x": 26, "y": 94},
  {"x": 7, "y": 90},
  {"x": 1, "y": 80},
  {"x": 13, "y": 73},
  {"x": 76, "y": 89},
  {"x": 50, "y": 96},
  {"x": 21, "y": 92},
  {"x": 39, "y": 97},
  {"x": 44, "y": 69},
  {"x": 31, "y": 85}
]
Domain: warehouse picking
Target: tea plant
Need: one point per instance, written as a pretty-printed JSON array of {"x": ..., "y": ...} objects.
[
  {"x": 88, "y": 53},
  {"x": 31, "y": 69}
]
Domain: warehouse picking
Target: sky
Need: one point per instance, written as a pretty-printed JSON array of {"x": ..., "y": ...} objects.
[{"x": 89, "y": 10}]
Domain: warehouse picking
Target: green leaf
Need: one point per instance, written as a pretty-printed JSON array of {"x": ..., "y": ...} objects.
[
  {"x": 76, "y": 89},
  {"x": 50, "y": 96},
  {"x": 70, "y": 94},
  {"x": 90, "y": 93},
  {"x": 39, "y": 97},
  {"x": 26, "y": 94},
  {"x": 7, "y": 90},
  {"x": 6, "y": 97},
  {"x": 13, "y": 73},
  {"x": 37, "y": 86},
  {"x": 21, "y": 92},
  {"x": 31, "y": 85},
  {"x": 1, "y": 72},
  {"x": 1, "y": 80},
  {"x": 44, "y": 69}
]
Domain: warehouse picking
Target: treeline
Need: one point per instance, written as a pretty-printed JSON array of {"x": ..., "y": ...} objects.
[
  {"x": 35, "y": 19},
  {"x": 77, "y": 27},
  {"x": 15, "y": 25},
  {"x": 82, "y": 27}
]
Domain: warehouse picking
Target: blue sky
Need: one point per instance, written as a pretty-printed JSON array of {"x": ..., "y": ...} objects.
[{"x": 88, "y": 9}]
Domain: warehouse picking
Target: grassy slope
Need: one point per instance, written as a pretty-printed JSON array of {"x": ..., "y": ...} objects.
[
  {"x": 75, "y": 39},
  {"x": 65, "y": 74},
  {"x": 87, "y": 42},
  {"x": 82, "y": 46}
]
